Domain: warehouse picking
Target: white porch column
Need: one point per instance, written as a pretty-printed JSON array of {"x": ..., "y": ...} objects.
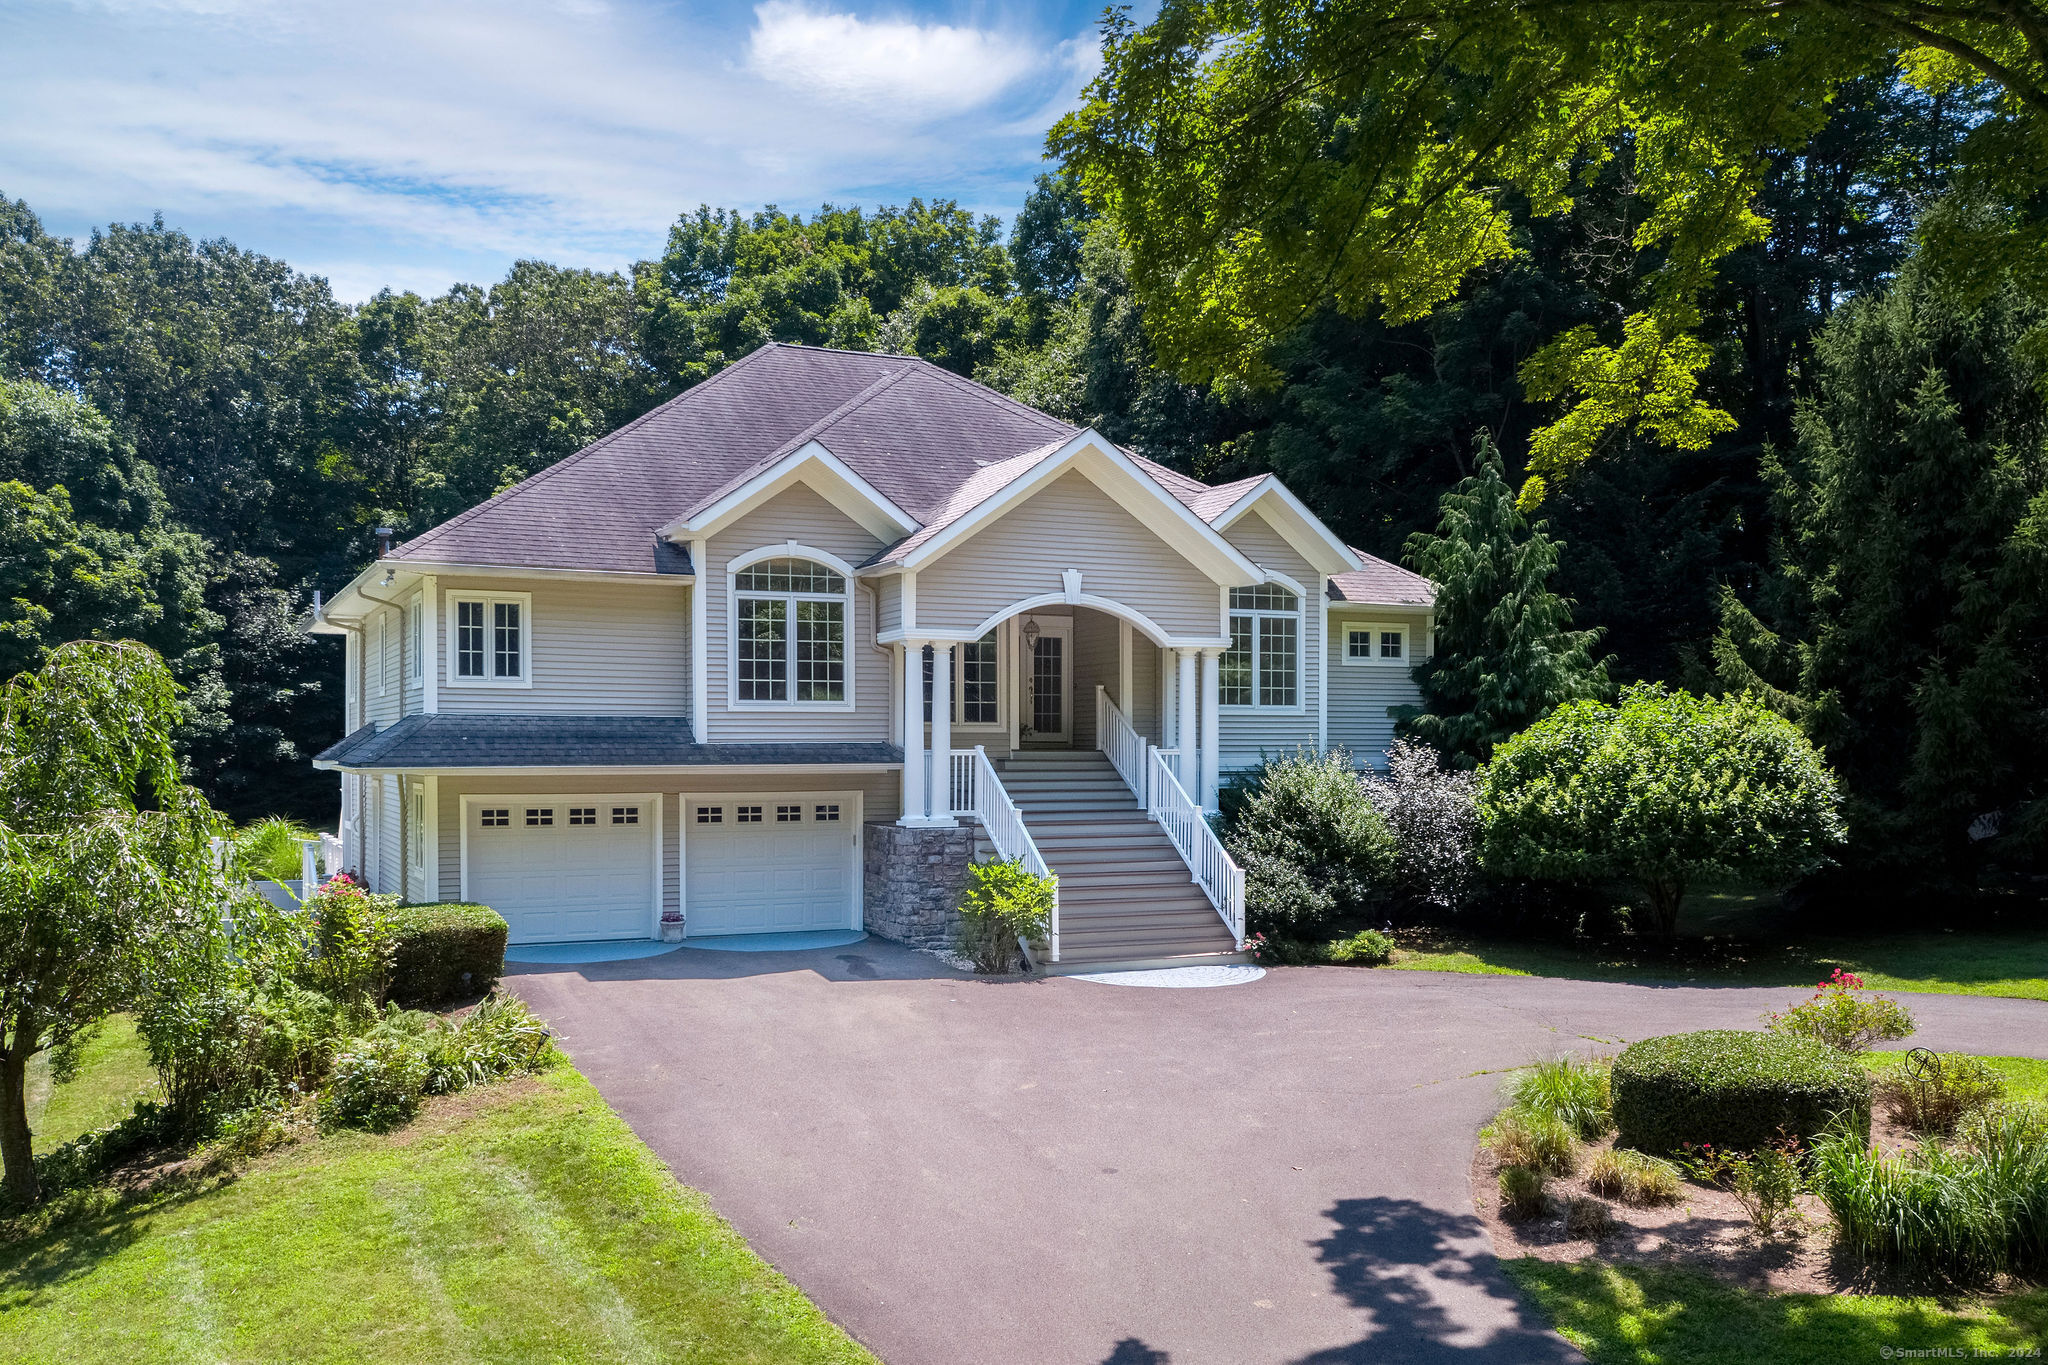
[
  {"x": 1211, "y": 727},
  {"x": 913, "y": 734},
  {"x": 941, "y": 789},
  {"x": 1185, "y": 739}
]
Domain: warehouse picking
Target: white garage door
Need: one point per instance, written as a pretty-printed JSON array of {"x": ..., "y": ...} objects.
[
  {"x": 563, "y": 868},
  {"x": 770, "y": 864}
]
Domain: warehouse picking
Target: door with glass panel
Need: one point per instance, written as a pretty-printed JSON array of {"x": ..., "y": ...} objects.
[{"x": 1048, "y": 692}]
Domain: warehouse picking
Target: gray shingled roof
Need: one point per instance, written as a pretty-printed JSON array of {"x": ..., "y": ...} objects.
[
  {"x": 475, "y": 741},
  {"x": 1382, "y": 585},
  {"x": 921, "y": 435}
]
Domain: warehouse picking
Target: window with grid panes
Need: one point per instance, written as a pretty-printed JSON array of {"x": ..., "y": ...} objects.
[
  {"x": 790, "y": 632},
  {"x": 1262, "y": 665}
]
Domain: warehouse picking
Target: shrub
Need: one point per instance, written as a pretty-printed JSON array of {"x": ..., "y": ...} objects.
[
  {"x": 1931, "y": 1092},
  {"x": 1004, "y": 903},
  {"x": 1738, "y": 1091},
  {"x": 1366, "y": 948},
  {"x": 1765, "y": 1182},
  {"x": 441, "y": 951},
  {"x": 1313, "y": 847},
  {"x": 2004, "y": 1121},
  {"x": 1435, "y": 824},
  {"x": 1633, "y": 1178},
  {"x": 218, "y": 1046},
  {"x": 1527, "y": 1137},
  {"x": 377, "y": 1083},
  {"x": 499, "y": 1038},
  {"x": 87, "y": 1158},
  {"x": 1574, "y": 1092},
  {"x": 1963, "y": 1212},
  {"x": 1588, "y": 1219},
  {"x": 353, "y": 936},
  {"x": 1660, "y": 790},
  {"x": 1844, "y": 1019},
  {"x": 269, "y": 849},
  {"x": 1522, "y": 1191}
]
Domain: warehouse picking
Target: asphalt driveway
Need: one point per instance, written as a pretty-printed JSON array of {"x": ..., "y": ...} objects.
[{"x": 961, "y": 1170}]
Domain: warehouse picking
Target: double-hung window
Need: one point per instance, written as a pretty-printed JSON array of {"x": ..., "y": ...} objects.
[
  {"x": 789, "y": 633},
  {"x": 973, "y": 682},
  {"x": 1262, "y": 667},
  {"x": 414, "y": 641},
  {"x": 490, "y": 639}
]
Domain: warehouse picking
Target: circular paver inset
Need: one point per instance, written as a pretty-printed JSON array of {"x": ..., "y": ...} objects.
[{"x": 1182, "y": 977}]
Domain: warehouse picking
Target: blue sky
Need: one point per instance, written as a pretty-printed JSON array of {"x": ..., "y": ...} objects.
[{"x": 415, "y": 143}]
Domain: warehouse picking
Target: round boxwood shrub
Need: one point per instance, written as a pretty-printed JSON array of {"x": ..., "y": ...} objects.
[
  {"x": 445, "y": 950},
  {"x": 1737, "y": 1090}
]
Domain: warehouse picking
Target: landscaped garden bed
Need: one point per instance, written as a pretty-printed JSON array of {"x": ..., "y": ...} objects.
[{"x": 1723, "y": 1195}]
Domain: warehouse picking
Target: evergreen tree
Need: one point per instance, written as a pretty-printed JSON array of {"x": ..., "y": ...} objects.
[
  {"x": 1505, "y": 656},
  {"x": 1913, "y": 580}
]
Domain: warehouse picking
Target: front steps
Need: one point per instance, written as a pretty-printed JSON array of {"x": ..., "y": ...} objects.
[{"x": 1127, "y": 901}]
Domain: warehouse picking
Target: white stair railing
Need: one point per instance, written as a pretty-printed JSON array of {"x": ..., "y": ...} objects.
[
  {"x": 1124, "y": 746},
  {"x": 1187, "y": 828},
  {"x": 977, "y": 792}
]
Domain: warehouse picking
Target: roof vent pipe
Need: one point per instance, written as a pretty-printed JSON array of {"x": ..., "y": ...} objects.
[{"x": 383, "y": 542}]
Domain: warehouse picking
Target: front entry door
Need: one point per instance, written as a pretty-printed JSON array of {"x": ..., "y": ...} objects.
[{"x": 1048, "y": 679}]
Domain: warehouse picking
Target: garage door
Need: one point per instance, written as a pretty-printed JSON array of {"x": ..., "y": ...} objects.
[
  {"x": 769, "y": 864},
  {"x": 563, "y": 868}
]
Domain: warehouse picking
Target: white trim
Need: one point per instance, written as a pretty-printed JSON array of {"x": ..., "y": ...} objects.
[
  {"x": 1194, "y": 538},
  {"x": 700, "y": 644},
  {"x": 1323, "y": 677},
  {"x": 508, "y": 799},
  {"x": 789, "y": 549},
  {"x": 663, "y": 770},
  {"x": 456, "y": 596},
  {"x": 383, "y": 636},
  {"x": 843, "y": 488},
  {"x": 1374, "y": 659},
  {"x": 430, "y": 695},
  {"x": 1153, "y": 630},
  {"x": 1322, "y": 537},
  {"x": 909, "y": 605},
  {"x": 854, "y": 799},
  {"x": 412, "y": 648},
  {"x": 1123, "y": 668},
  {"x": 433, "y": 835}
]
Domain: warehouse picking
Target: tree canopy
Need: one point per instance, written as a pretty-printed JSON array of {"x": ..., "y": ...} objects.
[{"x": 1264, "y": 160}]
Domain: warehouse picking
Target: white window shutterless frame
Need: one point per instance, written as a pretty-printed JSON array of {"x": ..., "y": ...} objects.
[
  {"x": 1262, "y": 668},
  {"x": 1377, "y": 643},
  {"x": 490, "y": 639},
  {"x": 789, "y": 631}
]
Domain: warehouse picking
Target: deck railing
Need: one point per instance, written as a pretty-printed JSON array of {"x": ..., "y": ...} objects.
[
  {"x": 1124, "y": 746},
  {"x": 976, "y": 792},
  {"x": 1187, "y": 828}
]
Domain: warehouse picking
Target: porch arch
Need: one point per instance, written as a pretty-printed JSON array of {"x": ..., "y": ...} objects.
[{"x": 1151, "y": 629}]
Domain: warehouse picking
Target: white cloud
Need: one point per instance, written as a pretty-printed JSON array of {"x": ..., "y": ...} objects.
[
  {"x": 922, "y": 69},
  {"x": 410, "y": 141}
]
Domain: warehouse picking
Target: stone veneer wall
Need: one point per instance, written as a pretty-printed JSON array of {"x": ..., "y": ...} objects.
[{"x": 914, "y": 879}]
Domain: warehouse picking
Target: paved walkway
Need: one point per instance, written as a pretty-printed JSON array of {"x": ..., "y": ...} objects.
[{"x": 1060, "y": 1171}]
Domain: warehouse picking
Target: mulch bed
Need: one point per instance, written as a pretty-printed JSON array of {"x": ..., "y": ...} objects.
[{"x": 1706, "y": 1231}]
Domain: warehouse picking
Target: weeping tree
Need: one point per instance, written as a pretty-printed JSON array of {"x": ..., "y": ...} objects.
[
  {"x": 1505, "y": 654},
  {"x": 105, "y": 861}
]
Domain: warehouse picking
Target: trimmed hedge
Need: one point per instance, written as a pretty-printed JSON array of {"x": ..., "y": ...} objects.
[
  {"x": 1736, "y": 1090},
  {"x": 444, "y": 950}
]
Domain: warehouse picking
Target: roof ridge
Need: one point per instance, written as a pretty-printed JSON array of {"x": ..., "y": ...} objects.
[
  {"x": 995, "y": 398},
  {"x": 798, "y": 441},
  {"x": 541, "y": 475}
]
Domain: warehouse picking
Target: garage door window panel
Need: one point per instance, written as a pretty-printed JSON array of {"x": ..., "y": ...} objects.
[
  {"x": 560, "y": 871},
  {"x": 778, "y": 863}
]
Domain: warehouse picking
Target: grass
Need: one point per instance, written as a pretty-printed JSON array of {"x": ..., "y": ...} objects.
[
  {"x": 1730, "y": 938},
  {"x": 113, "y": 1074},
  {"x": 521, "y": 1221},
  {"x": 1637, "y": 1315}
]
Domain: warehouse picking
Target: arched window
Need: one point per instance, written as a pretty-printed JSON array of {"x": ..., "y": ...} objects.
[
  {"x": 1262, "y": 667},
  {"x": 789, "y": 632}
]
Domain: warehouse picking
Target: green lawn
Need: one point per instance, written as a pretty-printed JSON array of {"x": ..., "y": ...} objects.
[
  {"x": 517, "y": 1222},
  {"x": 113, "y": 1073},
  {"x": 1730, "y": 937},
  {"x": 2026, "y": 1078},
  {"x": 1633, "y": 1315}
]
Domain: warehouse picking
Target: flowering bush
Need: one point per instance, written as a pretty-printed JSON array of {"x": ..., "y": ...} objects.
[
  {"x": 1765, "y": 1182},
  {"x": 356, "y": 938},
  {"x": 1435, "y": 822},
  {"x": 1843, "y": 1019}
]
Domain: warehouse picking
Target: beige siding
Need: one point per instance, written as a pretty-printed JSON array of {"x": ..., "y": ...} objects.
[
  {"x": 1247, "y": 734},
  {"x": 1145, "y": 688},
  {"x": 1361, "y": 693},
  {"x": 412, "y": 690},
  {"x": 380, "y": 641},
  {"x": 878, "y": 791},
  {"x": 386, "y": 850},
  {"x": 798, "y": 514},
  {"x": 889, "y": 602},
  {"x": 1095, "y": 662},
  {"x": 1069, "y": 524},
  {"x": 594, "y": 649}
]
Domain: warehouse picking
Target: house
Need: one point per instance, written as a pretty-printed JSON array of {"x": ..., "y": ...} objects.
[{"x": 682, "y": 682}]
